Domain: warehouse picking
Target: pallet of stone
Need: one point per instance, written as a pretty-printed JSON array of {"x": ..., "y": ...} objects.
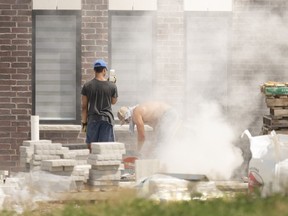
[
  {"x": 58, "y": 166},
  {"x": 105, "y": 160},
  {"x": 27, "y": 151},
  {"x": 47, "y": 151}
]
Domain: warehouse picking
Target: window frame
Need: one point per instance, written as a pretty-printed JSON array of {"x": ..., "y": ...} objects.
[{"x": 76, "y": 13}]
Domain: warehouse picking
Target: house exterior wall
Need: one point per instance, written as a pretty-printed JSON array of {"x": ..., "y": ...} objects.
[
  {"x": 170, "y": 52},
  {"x": 15, "y": 78},
  {"x": 245, "y": 73},
  {"x": 257, "y": 56}
]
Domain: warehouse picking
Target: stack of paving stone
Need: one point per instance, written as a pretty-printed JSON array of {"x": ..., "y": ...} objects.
[
  {"x": 27, "y": 161},
  {"x": 55, "y": 159},
  {"x": 276, "y": 98},
  {"x": 47, "y": 152},
  {"x": 105, "y": 160},
  {"x": 63, "y": 167},
  {"x": 81, "y": 156}
]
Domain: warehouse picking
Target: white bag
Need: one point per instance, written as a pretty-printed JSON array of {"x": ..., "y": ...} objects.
[{"x": 267, "y": 151}]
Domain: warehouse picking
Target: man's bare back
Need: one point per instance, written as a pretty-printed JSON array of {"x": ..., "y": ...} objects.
[{"x": 150, "y": 112}]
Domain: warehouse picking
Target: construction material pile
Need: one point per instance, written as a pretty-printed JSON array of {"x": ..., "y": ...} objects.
[
  {"x": 276, "y": 98},
  {"x": 100, "y": 168},
  {"x": 105, "y": 160}
]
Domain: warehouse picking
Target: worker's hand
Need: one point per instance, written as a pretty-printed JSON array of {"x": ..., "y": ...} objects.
[
  {"x": 84, "y": 127},
  {"x": 112, "y": 79}
]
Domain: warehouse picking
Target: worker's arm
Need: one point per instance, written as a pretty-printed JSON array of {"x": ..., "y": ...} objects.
[
  {"x": 137, "y": 118},
  {"x": 84, "y": 112}
]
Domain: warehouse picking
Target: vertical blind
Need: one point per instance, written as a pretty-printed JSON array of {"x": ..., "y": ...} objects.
[
  {"x": 207, "y": 40},
  {"x": 131, "y": 56},
  {"x": 55, "y": 67}
]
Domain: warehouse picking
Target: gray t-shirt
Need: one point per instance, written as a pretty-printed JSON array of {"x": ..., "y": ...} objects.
[{"x": 99, "y": 94}]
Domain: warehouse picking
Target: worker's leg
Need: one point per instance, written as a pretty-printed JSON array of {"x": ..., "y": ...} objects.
[
  {"x": 106, "y": 132},
  {"x": 92, "y": 133}
]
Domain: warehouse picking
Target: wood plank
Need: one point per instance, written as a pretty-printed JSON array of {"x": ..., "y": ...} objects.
[
  {"x": 276, "y": 102},
  {"x": 279, "y": 112},
  {"x": 266, "y": 130},
  {"x": 275, "y": 123}
]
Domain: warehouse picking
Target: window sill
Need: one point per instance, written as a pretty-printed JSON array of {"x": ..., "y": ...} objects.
[{"x": 117, "y": 127}]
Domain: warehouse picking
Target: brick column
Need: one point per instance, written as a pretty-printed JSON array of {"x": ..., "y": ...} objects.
[
  {"x": 15, "y": 78},
  {"x": 94, "y": 34},
  {"x": 170, "y": 51}
]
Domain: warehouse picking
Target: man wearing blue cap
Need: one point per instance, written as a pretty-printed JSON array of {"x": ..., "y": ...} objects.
[{"x": 98, "y": 95}]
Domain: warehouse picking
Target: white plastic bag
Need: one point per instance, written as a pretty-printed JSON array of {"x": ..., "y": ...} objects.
[{"x": 267, "y": 151}]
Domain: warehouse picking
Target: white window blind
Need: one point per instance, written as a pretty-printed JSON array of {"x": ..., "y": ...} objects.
[
  {"x": 207, "y": 40},
  {"x": 132, "y": 56},
  {"x": 55, "y": 67}
]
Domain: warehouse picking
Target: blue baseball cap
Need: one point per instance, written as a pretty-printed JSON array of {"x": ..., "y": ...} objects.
[{"x": 100, "y": 63}]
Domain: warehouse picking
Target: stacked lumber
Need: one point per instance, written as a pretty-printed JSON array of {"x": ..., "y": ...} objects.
[{"x": 276, "y": 98}]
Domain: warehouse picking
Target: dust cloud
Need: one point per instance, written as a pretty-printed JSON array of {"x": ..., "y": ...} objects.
[{"x": 219, "y": 110}]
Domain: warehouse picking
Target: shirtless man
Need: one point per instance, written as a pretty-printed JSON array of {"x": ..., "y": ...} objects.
[{"x": 160, "y": 116}]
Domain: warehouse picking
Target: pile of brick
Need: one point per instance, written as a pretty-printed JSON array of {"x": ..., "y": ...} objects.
[
  {"x": 55, "y": 159},
  {"x": 105, "y": 160},
  {"x": 276, "y": 98}
]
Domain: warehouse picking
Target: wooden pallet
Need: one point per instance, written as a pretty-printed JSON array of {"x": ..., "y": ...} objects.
[
  {"x": 277, "y": 102},
  {"x": 275, "y": 123},
  {"x": 279, "y": 112},
  {"x": 267, "y": 130}
]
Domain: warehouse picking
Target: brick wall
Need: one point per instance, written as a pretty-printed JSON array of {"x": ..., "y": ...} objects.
[
  {"x": 16, "y": 65},
  {"x": 170, "y": 51},
  {"x": 94, "y": 35},
  {"x": 15, "y": 78},
  {"x": 259, "y": 54}
]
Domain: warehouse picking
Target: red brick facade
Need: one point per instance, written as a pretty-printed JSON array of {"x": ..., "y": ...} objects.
[{"x": 15, "y": 78}]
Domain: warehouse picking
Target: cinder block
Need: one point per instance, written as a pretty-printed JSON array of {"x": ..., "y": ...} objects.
[
  {"x": 52, "y": 146},
  {"x": 45, "y": 157},
  {"x": 107, "y": 147},
  {"x": 105, "y": 167},
  {"x": 33, "y": 142},
  {"x": 80, "y": 152},
  {"x": 61, "y": 173},
  {"x": 104, "y": 175},
  {"x": 68, "y": 155},
  {"x": 58, "y": 162},
  {"x": 105, "y": 157},
  {"x": 81, "y": 162},
  {"x": 51, "y": 169},
  {"x": 68, "y": 168},
  {"x": 103, "y": 163}
]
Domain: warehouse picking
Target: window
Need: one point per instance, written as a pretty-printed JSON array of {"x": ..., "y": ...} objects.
[
  {"x": 207, "y": 47},
  {"x": 56, "y": 66},
  {"x": 131, "y": 55}
]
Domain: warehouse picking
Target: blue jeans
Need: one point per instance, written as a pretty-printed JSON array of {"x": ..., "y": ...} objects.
[{"x": 99, "y": 131}]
